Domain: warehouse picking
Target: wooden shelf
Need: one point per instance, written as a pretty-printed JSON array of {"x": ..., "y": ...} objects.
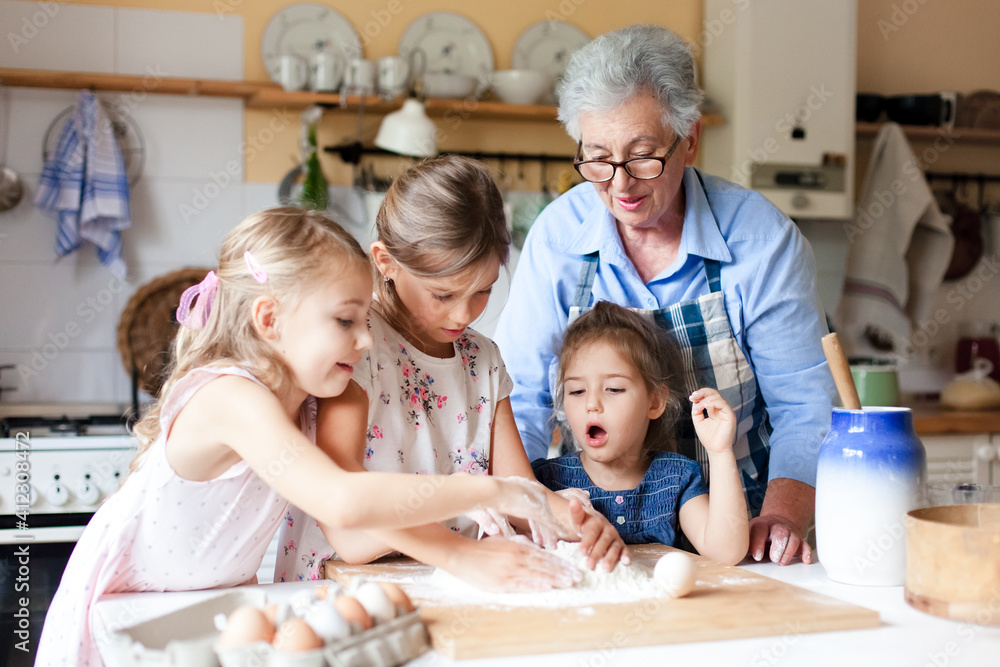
[
  {"x": 963, "y": 135},
  {"x": 263, "y": 95},
  {"x": 124, "y": 83}
]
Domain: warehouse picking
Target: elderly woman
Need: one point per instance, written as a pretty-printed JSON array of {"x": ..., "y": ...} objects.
[{"x": 719, "y": 267}]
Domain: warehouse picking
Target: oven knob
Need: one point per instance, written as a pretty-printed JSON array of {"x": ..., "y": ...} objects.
[
  {"x": 86, "y": 491},
  {"x": 56, "y": 494}
]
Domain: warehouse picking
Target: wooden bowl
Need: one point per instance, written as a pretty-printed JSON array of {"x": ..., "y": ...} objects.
[{"x": 953, "y": 562}]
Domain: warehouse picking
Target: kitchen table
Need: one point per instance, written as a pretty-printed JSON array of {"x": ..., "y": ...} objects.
[{"x": 906, "y": 637}]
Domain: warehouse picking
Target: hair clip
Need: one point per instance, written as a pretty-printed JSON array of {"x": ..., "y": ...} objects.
[
  {"x": 195, "y": 318},
  {"x": 256, "y": 270}
]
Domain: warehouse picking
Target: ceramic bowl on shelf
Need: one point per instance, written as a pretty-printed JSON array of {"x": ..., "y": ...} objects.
[
  {"x": 521, "y": 86},
  {"x": 449, "y": 86}
]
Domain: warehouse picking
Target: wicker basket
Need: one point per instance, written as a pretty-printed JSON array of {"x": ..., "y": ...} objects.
[{"x": 148, "y": 325}]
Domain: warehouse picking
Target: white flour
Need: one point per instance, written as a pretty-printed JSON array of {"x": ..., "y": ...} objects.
[{"x": 624, "y": 584}]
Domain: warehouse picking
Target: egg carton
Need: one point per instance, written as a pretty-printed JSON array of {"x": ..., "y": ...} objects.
[
  {"x": 386, "y": 645},
  {"x": 181, "y": 638}
]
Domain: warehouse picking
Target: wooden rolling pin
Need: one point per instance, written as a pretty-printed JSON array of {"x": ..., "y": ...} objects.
[{"x": 841, "y": 372}]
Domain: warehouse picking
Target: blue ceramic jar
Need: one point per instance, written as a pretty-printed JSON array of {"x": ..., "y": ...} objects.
[{"x": 870, "y": 474}]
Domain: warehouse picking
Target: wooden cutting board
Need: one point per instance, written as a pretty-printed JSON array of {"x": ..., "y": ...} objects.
[{"x": 727, "y": 603}]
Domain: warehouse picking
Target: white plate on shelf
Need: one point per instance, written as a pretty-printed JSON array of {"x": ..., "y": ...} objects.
[
  {"x": 305, "y": 29},
  {"x": 546, "y": 46},
  {"x": 453, "y": 45}
]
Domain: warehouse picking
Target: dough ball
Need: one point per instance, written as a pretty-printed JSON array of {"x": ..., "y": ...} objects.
[{"x": 675, "y": 573}]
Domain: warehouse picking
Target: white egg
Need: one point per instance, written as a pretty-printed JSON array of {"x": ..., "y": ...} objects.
[
  {"x": 376, "y": 602},
  {"x": 327, "y": 622},
  {"x": 278, "y": 612},
  {"x": 675, "y": 573},
  {"x": 301, "y": 601}
]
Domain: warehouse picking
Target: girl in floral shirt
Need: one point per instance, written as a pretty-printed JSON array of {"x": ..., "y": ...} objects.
[{"x": 434, "y": 390}]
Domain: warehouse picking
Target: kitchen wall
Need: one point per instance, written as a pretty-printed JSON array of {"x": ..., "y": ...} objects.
[
  {"x": 59, "y": 318},
  {"x": 923, "y": 46}
]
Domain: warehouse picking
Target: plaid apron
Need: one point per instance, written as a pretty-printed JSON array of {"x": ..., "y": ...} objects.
[{"x": 712, "y": 358}]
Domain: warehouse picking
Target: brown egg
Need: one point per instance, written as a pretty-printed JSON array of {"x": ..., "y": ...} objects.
[
  {"x": 322, "y": 592},
  {"x": 246, "y": 625},
  {"x": 397, "y": 595},
  {"x": 295, "y": 635},
  {"x": 353, "y": 611}
]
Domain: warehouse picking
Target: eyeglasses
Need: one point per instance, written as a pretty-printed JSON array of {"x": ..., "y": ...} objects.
[{"x": 641, "y": 168}]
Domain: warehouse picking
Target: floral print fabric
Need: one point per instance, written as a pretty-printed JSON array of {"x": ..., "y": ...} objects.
[{"x": 425, "y": 415}]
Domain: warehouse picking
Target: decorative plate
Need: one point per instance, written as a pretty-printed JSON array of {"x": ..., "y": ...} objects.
[
  {"x": 452, "y": 43},
  {"x": 305, "y": 29},
  {"x": 546, "y": 46}
]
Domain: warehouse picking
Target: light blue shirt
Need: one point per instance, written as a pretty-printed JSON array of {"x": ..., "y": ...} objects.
[{"x": 768, "y": 280}]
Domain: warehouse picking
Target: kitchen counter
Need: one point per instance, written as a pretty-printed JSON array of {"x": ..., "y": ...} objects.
[
  {"x": 906, "y": 637},
  {"x": 929, "y": 418}
]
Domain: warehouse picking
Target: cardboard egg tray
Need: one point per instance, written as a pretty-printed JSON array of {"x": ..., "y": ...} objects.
[
  {"x": 187, "y": 638},
  {"x": 385, "y": 645}
]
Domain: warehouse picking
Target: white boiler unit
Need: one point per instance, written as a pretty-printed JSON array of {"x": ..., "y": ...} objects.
[{"x": 782, "y": 73}]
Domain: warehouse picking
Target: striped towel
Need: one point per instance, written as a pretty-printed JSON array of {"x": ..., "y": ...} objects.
[{"x": 83, "y": 183}]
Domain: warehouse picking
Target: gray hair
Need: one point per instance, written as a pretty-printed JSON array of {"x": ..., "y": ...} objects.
[{"x": 640, "y": 59}]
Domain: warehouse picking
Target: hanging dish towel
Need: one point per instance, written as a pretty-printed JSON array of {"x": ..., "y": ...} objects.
[
  {"x": 84, "y": 184},
  {"x": 900, "y": 245}
]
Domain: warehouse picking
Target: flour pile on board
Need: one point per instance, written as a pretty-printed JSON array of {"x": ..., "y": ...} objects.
[{"x": 624, "y": 584}]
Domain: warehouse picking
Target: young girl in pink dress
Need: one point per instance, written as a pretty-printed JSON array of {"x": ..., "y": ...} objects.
[
  {"x": 231, "y": 440},
  {"x": 435, "y": 391}
]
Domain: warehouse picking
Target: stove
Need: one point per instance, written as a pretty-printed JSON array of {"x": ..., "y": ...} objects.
[
  {"x": 58, "y": 463},
  {"x": 57, "y": 460}
]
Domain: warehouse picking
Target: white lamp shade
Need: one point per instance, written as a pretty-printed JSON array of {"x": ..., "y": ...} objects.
[{"x": 408, "y": 131}]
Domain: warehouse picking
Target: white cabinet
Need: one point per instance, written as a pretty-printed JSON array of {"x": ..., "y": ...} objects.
[
  {"x": 783, "y": 74},
  {"x": 963, "y": 458}
]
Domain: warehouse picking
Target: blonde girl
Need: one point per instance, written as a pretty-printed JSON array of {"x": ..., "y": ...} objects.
[
  {"x": 231, "y": 440},
  {"x": 435, "y": 391},
  {"x": 618, "y": 384}
]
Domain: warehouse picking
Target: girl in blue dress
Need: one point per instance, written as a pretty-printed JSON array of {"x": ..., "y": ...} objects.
[{"x": 617, "y": 379}]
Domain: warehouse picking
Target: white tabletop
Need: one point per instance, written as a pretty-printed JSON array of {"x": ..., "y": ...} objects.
[{"x": 906, "y": 638}]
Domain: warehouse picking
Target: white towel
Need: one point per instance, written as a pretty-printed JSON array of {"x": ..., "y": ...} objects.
[
  {"x": 900, "y": 245},
  {"x": 85, "y": 185}
]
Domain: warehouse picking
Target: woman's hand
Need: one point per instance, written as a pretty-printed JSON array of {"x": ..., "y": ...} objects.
[
  {"x": 528, "y": 500},
  {"x": 714, "y": 420},
  {"x": 598, "y": 538},
  {"x": 512, "y": 565}
]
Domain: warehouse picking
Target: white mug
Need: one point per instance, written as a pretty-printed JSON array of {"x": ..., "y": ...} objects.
[
  {"x": 327, "y": 71},
  {"x": 293, "y": 72},
  {"x": 359, "y": 77},
  {"x": 393, "y": 74}
]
